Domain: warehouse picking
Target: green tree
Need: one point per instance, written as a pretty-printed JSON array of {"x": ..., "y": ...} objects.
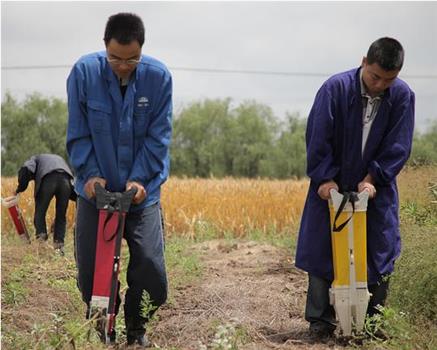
[
  {"x": 253, "y": 139},
  {"x": 424, "y": 150},
  {"x": 211, "y": 139},
  {"x": 201, "y": 134},
  {"x": 289, "y": 154},
  {"x": 33, "y": 126}
]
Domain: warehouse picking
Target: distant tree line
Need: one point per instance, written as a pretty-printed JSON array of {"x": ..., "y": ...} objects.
[
  {"x": 33, "y": 126},
  {"x": 213, "y": 139},
  {"x": 210, "y": 138}
]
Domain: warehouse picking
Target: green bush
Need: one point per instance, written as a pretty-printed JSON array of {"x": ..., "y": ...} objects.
[
  {"x": 413, "y": 287},
  {"x": 424, "y": 150}
]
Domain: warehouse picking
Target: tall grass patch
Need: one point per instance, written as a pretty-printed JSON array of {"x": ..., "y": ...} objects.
[{"x": 414, "y": 283}]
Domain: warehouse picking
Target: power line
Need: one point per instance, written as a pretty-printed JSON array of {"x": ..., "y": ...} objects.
[
  {"x": 221, "y": 71},
  {"x": 54, "y": 66},
  {"x": 242, "y": 71}
]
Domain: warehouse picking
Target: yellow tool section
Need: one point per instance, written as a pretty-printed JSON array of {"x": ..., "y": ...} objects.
[
  {"x": 341, "y": 251},
  {"x": 360, "y": 246},
  {"x": 348, "y": 293}
]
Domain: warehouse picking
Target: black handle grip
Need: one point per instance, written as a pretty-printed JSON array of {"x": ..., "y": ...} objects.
[
  {"x": 114, "y": 201},
  {"x": 351, "y": 197}
]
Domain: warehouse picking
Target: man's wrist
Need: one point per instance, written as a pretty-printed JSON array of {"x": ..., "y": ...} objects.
[{"x": 369, "y": 179}]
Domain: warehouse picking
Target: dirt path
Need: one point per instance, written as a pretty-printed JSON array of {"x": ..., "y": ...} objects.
[
  {"x": 252, "y": 290},
  {"x": 249, "y": 292}
]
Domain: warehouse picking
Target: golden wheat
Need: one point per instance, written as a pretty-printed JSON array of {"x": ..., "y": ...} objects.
[
  {"x": 233, "y": 206},
  {"x": 227, "y": 206},
  {"x": 27, "y": 207}
]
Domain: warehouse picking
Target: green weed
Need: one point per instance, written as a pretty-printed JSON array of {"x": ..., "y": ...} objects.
[
  {"x": 182, "y": 263},
  {"x": 388, "y": 324},
  {"x": 392, "y": 330},
  {"x": 14, "y": 291}
]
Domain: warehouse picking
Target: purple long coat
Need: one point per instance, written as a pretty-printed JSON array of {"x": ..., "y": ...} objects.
[{"x": 334, "y": 139}]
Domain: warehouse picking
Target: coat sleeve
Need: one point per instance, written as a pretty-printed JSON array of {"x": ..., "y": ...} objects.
[
  {"x": 319, "y": 138},
  {"x": 151, "y": 165},
  {"x": 79, "y": 140},
  {"x": 396, "y": 145}
]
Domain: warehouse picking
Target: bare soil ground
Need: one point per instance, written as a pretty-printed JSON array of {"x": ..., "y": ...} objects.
[
  {"x": 40, "y": 298},
  {"x": 253, "y": 287}
]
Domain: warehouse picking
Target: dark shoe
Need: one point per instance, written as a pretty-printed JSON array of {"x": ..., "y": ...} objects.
[
  {"x": 59, "y": 248},
  {"x": 42, "y": 237},
  {"x": 320, "y": 332},
  {"x": 139, "y": 341}
]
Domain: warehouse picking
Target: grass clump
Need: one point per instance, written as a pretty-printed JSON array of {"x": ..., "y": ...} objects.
[
  {"x": 182, "y": 262},
  {"x": 414, "y": 284}
]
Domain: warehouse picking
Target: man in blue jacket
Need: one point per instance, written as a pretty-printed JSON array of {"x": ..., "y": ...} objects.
[
  {"x": 358, "y": 137},
  {"x": 119, "y": 131}
]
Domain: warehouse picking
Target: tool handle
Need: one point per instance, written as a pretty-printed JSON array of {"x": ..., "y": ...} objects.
[
  {"x": 114, "y": 201},
  {"x": 10, "y": 201}
]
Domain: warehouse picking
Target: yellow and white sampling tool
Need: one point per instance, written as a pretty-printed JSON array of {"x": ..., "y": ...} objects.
[{"x": 349, "y": 294}]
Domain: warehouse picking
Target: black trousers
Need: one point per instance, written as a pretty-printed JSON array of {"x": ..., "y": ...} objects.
[
  {"x": 146, "y": 268},
  {"x": 321, "y": 314},
  {"x": 56, "y": 185}
]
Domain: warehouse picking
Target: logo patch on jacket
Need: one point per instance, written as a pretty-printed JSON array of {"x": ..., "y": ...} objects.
[{"x": 143, "y": 102}]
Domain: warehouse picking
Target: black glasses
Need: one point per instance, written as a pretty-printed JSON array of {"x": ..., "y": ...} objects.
[{"x": 117, "y": 61}]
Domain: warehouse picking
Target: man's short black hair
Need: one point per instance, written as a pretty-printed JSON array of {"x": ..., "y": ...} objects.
[
  {"x": 388, "y": 53},
  {"x": 125, "y": 28}
]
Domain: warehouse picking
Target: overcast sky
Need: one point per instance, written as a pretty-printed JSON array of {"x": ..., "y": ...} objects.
[{"x": 295, "y": 37}]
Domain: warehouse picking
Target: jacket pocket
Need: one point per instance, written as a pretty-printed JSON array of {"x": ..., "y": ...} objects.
[
  {"x": 141, "y": 121},
  {"x": 99, "y": 116}
]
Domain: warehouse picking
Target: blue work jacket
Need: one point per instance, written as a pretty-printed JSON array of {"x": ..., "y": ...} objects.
[
  {"x": 119, "y": 139},
  {"x": 334, "y": 151}
]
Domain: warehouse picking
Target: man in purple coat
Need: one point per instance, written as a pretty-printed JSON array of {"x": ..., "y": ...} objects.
[{"x": 358, "y": 137}]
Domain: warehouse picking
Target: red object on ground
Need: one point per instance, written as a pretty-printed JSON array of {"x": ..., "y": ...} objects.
[{"x": 14, "y": 211}]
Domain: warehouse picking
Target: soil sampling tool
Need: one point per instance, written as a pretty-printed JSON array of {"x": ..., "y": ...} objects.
[
  {"x": 349, "y": 294},
  {"x": 112, "y": 207}
]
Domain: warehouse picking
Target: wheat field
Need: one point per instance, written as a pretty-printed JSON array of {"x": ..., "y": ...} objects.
[
  {"x": 229, "y": 206},
  {"x": 234, "y": 206},
  {"x": 221, "y": 206}
]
